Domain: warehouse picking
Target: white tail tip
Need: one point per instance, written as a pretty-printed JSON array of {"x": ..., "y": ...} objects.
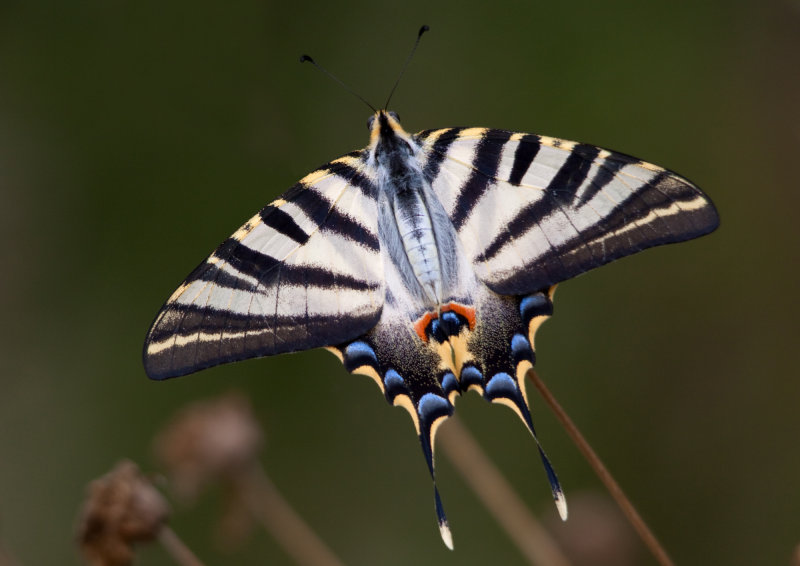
[
  {"x": 447, "y": 536},
  {"x": 561, "y": 505}
]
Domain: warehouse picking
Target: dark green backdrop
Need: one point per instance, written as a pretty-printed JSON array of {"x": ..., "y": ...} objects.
[{"x": 135, "y": 136}]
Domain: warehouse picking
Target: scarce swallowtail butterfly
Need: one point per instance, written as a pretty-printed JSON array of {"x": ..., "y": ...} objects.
[{"x": 425, "y": 261}]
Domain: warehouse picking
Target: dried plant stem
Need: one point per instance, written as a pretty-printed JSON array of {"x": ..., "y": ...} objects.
[
  {"x": 177, "y": 548},
  {"x": 6, "y": 559},
  {"x": 648, "y": 538},
  {"x": 529, "y": 536},
  {"x": 278, "y": 517}
]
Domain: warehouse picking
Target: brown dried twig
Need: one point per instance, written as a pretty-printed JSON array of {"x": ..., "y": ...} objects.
[{"x": 636, "y": 521}]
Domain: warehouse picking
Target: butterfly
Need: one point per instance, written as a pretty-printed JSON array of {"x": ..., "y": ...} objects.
[{"x": 425, "y": 261}]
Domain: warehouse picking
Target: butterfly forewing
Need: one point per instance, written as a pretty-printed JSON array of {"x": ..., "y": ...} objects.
[
  {"x": 532, "y": 211},
  {"x": 302, "y": 271}
]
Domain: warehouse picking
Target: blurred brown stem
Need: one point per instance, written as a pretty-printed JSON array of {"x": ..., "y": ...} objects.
[
  {"x": 648, "y": 538},
  {"x": 177, "y": 548},
  {"x": 529, "y": 536},
  {"x": 278, "y": 517},
  {"x": 796, "y": 556},
  {"x": 6, "y": 559}
]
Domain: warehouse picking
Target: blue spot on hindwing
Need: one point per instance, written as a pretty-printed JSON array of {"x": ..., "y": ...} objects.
[
  {"x": 537, "y": 304},
  {"x": 432, "y": 406},
  {"x": 501, "y": 385},
  {"x": 470, "y": 375},
  {"x": 359, "y": 348},
  {"x": 519, "y": 344},
  {"x": 521, "y": 349},
  {"x": 394, "y": 384},
  {"x": 358, "y": 354},
  {"x": 451, "y": 322},
  {"x": 451, "y": 317},
  {"x": 537, "y": 300},
  {"x": 449, "y": 383}
]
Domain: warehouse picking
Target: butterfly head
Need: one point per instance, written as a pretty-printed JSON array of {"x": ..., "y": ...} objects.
[{"x": 386, "y": 134}]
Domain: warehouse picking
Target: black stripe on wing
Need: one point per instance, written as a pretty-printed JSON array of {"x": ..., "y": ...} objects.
[
  {"x": 330, "y": 219},
  {"x": 354, "y": 177},
  {"x": 523, "y": 157},
  {"x": 648, "y": 218},
  {"x": 484, "y": 169},
  {"x": 439, "y": 147},
  {"x": 572, "y": 174},
  {"x": 282, "y": 222}
]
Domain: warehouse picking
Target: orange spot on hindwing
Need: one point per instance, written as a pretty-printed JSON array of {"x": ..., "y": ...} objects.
[{"x": 448, "y": 321}]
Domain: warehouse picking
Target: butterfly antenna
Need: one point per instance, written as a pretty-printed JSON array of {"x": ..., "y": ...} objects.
[
  {"x": 422, "y": 30},
  {"x": 304, "y": 58}
]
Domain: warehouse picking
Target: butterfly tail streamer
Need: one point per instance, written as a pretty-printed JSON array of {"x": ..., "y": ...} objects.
[
  {"x": 513, "y": 396},
  {"x": 441, "y": 517},
  {"x": 432, "y": 410},
  {"x": 505, "y": 351},
  {"x": 555, "y": 486},
  {"x": 387, "y": 356}
]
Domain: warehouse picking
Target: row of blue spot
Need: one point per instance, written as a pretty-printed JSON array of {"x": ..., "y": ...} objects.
[{"x": 500, "y": 385}]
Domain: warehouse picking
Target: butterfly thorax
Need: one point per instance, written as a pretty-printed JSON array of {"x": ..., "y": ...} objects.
[{"x": 408, "y": 219}]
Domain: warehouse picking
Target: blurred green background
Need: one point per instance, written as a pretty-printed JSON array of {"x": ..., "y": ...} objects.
[{"x": 136, "y": 136}]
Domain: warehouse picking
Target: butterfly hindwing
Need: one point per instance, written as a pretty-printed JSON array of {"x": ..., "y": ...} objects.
[
  {"x": 411, "y": 375},
  {"x": 532, "y": 211},
  {"x": 304, "y": 272}
]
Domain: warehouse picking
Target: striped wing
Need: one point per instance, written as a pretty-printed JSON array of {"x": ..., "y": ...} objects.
[
  {"x": 304, "y": 272},
  {"x": 532, "y": 211}
]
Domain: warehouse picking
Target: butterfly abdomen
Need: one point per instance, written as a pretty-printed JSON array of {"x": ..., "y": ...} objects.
[{"x": 419, "y": 243}]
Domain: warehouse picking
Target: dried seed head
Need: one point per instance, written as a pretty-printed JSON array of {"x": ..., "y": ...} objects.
[
  {"x": 121, "y": 508},
  {"x": 209, "y": 441}
]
